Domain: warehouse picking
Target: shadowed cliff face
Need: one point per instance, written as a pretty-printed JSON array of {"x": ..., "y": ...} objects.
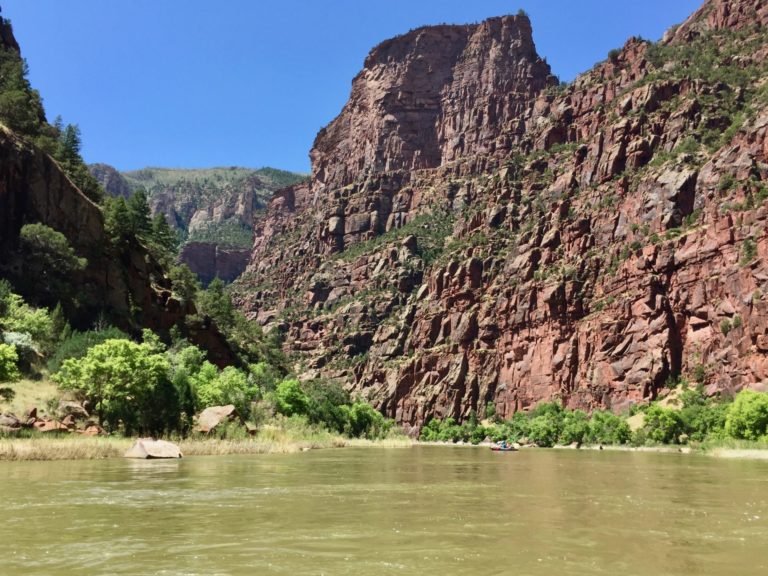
[
  {"x": 517, "y": 241},
  {"x": 130, "y": 285}
]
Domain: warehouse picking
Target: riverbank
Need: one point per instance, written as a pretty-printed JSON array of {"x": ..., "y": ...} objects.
[
  {"x": 276, "y": 441},
  {"x": 727, "y": 449},
  {"x": 97, "y": 448}
]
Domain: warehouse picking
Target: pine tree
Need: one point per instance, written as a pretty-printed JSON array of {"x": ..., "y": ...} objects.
[
  {"x": 163, "y": 235},
  {"x": 117, "y": 220},
  {"x": 139, "y": 215},
  {"x": 60, "y": 325},
  {"x": 70, "y": 143}
]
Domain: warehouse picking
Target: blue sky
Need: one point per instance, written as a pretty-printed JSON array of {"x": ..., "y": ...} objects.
[{"x": 187, "y": 83}]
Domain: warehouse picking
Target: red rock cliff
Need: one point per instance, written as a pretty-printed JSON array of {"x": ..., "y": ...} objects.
[
  {"x": 431, "y": 96},
  {"x": 521, "y": 242}
]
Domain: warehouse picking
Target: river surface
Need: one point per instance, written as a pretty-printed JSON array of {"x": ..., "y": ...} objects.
[{"x": 374, "y": 511}]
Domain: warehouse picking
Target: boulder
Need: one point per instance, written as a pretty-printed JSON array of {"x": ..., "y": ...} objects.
[
  {"x": 147, "y": 449},
  {"x": 74, "y": 409},
  {"x": 93, "y": 430},
  {"x": 47, "y": 426},
  {"x": 211, "y": 417},
  {"x": 9, "y": 420}
]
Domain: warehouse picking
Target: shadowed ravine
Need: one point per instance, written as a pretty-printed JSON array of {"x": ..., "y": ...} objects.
[{"x": 425, "y": 510}]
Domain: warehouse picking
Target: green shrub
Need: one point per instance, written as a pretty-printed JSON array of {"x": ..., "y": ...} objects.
[
  {"x": 23, "y": 318},
  {"x": 49, "y": 263},
  {"x": 607, "y": 428},
  {"x": 663, "y": 426},
  {"x": 545, "y": 430},
  {"x": 9, "y": 370},
  {"x": 748, "y": 251},
  {"x": 327, "y": 403},
  {"x": 230, "y": 386},
  {"x": 575, "y": 427},
  {"x": 76, "y": 345},
  {"x": 747, "y": 417},
  {"x": 446, "y": 430},
  {"x": 365, "y": 421},
  {"x": 127, "y": 384},
  {"x": 290, "y": 398}
]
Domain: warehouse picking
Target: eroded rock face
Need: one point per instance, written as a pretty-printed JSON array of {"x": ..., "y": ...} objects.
[
  {"x": 209, "y": 260},
  {"x": 589, "y": 244},
  {"x": 429, "y": 97},
  {"x": 113, "y": 182}
]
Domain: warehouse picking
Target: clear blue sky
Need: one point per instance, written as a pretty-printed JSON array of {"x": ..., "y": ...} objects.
[{"x": 187, "y": 83}]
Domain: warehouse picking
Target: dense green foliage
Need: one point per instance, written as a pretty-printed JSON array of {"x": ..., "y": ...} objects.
[
  {"x": 748, "y": 416},
  {"x": 76, "y": 344},
  {"x": 49, "y": 263},
  {"x": 130, "y": 221},
  {"x": 125, "y": 382},
  {"x": 246, "y": 337},
  {"x": 546, "y": 425},
  {"x": 291, "y": 399},
  {"x": 9, "y": 370},
  {"x": 692, "y": 418},
  {"x": 327, "y": 404}
]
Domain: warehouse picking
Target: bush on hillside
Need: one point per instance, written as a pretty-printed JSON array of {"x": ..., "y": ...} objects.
[{"x": 76, "y": 345}]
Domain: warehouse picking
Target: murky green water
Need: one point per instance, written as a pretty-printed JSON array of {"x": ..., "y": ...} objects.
[{"x": 425, "y": 510}]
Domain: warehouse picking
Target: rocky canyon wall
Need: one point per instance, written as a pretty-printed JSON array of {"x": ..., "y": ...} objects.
[{"x": 474, "y": 234}]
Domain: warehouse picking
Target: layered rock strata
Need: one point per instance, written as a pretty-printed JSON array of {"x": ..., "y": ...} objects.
[{"x": 475, "y": 235}]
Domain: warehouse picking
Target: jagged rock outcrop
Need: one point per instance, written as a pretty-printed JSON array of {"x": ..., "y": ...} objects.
[
  {"x": 589, "y": 243},
  {"x": 431, "y": 96},
  {"x": 111, "y": 180}
]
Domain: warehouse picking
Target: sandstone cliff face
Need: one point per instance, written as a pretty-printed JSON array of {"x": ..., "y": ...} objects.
[
  {"x": 429, "y": 97},
  {"x": 587, "y": 243},
  {"x": 209, "y": 260}
]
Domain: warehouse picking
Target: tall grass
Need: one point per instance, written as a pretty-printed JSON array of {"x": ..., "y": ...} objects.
[{"x": 281, "y": 436}]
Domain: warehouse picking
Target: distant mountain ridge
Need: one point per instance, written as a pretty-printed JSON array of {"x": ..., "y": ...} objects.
[{"x": 212, "y": 208}]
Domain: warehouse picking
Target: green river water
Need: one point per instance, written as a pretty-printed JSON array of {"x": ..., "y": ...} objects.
[{"x": 422, "y": 510}]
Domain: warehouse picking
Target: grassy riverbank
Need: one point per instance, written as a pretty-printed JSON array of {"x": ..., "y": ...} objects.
[
  {"x": 94, "y": 448},
  {"x": 273, "y": 440}
]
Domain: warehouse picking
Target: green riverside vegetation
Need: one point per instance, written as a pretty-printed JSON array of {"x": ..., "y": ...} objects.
[
  {"x": 147, "y": 386},
  {"x": 689, "y": 419}
]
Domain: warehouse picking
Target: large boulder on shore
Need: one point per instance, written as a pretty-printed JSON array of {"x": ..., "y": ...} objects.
[
  {"x": 147, "y": 448},
  {"x": 50, "y": 426},
  {"x": 211, "y": 417}
]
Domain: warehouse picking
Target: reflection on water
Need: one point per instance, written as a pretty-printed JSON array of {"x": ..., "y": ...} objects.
[{"x": 425, "y": 510}]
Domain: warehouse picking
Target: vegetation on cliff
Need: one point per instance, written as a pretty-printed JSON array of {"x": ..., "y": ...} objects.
[{"x": 213, "y": 205}]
